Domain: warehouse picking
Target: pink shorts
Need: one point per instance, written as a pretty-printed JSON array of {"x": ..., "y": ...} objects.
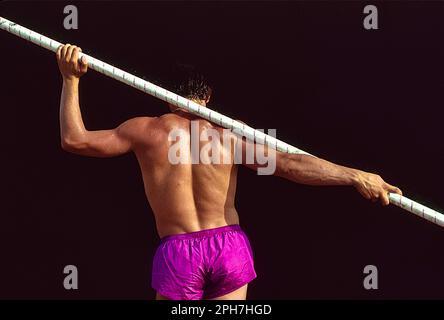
[{"x": 204, "y": 264}]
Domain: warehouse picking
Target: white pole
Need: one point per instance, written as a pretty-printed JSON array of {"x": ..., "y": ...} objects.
[
  {"x": 153, "y": 90},
  {"x": 197, "y": 109}
]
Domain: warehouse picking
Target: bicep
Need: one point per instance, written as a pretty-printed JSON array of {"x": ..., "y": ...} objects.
[{"x": 107, "y": 143}]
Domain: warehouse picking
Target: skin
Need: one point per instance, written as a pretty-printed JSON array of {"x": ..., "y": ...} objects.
[{"x": 184, "y": 197}]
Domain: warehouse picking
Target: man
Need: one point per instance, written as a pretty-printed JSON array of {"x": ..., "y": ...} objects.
[{"x": 203, "y": 252}]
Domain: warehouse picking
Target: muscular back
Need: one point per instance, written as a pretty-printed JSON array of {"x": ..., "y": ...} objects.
[
  {"x": 185, "y": 197},
  {"x": 188, "y": 197}
]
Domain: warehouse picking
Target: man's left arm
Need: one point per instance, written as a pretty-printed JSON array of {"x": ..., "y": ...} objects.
[{"x": 306, "y": 169}]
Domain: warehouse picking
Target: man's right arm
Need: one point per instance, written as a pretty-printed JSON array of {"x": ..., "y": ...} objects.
[{"x": 75, "y": 137}]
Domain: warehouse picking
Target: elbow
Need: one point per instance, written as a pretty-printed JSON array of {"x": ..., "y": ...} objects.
[{"x": 72, "y": 145}]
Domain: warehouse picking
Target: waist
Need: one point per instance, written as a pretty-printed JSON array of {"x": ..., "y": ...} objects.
[
  {"x": 202, "y": 233},
  {"x": 183, "y": 222}
]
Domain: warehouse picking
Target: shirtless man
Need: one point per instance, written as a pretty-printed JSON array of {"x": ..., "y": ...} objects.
[{"x": 203, "y": 253}]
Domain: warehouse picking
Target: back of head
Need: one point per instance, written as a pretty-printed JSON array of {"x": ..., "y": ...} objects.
[{"x": 190, "y": 83}]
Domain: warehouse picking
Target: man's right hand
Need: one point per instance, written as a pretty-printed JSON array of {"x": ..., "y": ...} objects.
[{"x": 68, "y": 61}]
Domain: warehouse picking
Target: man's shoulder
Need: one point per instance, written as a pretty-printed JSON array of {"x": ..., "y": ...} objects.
[
  {"x": 171, "y": 121},
  {"x": 137, "y": 121},
  {"x": 158, "y": 124},
  {"x": 135, "y": 126}
]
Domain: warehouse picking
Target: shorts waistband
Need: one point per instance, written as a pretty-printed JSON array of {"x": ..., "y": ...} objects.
[{"x": 202, "y": 233}]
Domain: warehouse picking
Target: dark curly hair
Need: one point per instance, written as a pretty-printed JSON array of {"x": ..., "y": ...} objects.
[{"x": 190, "y": 83}]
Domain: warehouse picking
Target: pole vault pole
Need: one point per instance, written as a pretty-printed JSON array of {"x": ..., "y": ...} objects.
[{"x": 204, "y": 112}]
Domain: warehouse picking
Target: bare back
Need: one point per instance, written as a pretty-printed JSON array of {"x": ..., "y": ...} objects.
[{"x": 185, "y": 197}]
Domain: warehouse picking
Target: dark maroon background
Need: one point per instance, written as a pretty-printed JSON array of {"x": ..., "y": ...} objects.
[{"x": 367, "y": 99}]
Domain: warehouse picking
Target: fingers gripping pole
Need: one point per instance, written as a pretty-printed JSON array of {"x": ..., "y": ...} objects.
[{"x": 199, "y": 110}]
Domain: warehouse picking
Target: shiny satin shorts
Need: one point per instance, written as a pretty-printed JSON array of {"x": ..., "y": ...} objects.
[{"x": 203, "y": 265}]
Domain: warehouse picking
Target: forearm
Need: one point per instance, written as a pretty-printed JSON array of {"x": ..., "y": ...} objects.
[
  {"x": 71, "y": 124},
  {"x": 310, "y": 170}
]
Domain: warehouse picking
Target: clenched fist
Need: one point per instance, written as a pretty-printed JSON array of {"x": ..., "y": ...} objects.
[{"x": 68, "y": 60}]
